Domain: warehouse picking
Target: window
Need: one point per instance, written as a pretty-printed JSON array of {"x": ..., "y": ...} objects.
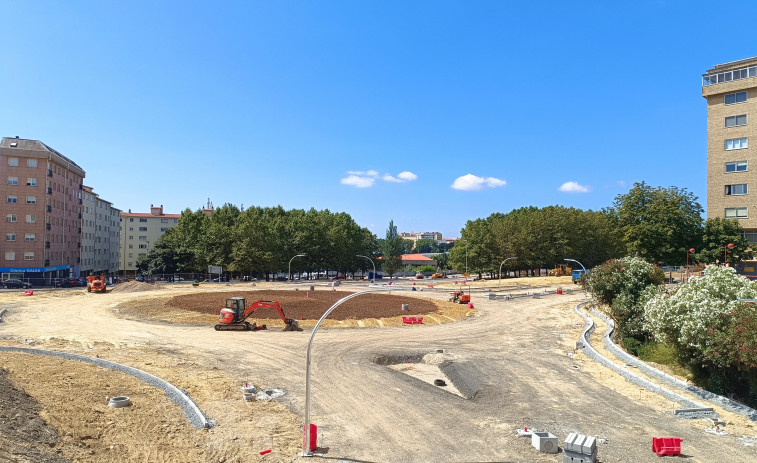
[
  {"x": 31, "y": 200},
  {"x": 163, "y": 220},
  {"x": 734, "y": 190},
  {"x": 143, "y": 220},
  {"x": 131, "y": 219},
  {"x": 733, "y": 98},
  {"x": 131, "y": 228},
  {"x": 131, "y": 246},
  {"x": 142, "y": 246},
  {"x": 29, "y": 255},
  {"x": 738, "y": 166},
  {"x": 10, "y": 255},
  {"x": 10, "y": 237},
  {"x": 736, "y": 144},
  {"x": 142, "y": 238},
  {"x": 31, "y": 218},
  {"x": 13, "y": 162},
  {"x": 131, "y": 254},
  {"x": 163, "y": 229},
  {"x": 142, "y": 228},
  {"x": 31, "y": 181},
  {"x": 31, "y": 163},
  {"x": 175, "y": 220},
  {"x": 30, "y": 237},
  {"x": 12, "y": 199},
  {"x": 12, "y": 180},
  {"x": 736, "y": 213},
  {"x": 735, "y": 121},
  {"x": 131, "y": 237},
  {"x": 10, "y": 218}
]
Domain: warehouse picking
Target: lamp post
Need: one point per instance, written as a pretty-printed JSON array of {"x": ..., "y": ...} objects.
[
  {"x": 500, "y": 271},
  {"x": 582, "y": 266},
  {"x": 374, "y": 265},
  {"x": 725, "y": 253},
  {"x": 290, "y": 264},
  {"x": 687, "y": 262}
]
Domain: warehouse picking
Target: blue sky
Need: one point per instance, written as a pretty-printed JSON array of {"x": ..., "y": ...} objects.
[{"x": 427, "y": 113}]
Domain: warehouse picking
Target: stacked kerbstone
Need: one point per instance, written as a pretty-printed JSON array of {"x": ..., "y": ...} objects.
[{"x": 578, "y": 448}]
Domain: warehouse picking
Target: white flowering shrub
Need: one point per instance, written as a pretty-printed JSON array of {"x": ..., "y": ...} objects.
[{"x": 688, "y": 317}]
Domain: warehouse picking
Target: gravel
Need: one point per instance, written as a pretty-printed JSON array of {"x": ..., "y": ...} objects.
[{"x": 178, "y": 396}]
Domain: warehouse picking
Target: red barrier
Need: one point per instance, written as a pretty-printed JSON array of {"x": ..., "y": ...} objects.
[
  {"x": 263, "y": 452},
  {"x": 28, "y": 293},
  {"x": 670, "y": 446},
  {"x": 412, "y": 320},
  {"x": 313, "y": 437}
]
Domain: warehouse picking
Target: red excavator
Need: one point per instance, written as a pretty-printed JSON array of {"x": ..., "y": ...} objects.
[
  {"x": 235, "y": 313},
  {"x": 96, "y": 284}
]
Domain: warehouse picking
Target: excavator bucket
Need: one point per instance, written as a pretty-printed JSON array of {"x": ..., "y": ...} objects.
[{"x": 292, "y": 325}]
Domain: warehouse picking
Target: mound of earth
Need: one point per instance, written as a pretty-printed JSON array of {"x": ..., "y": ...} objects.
[
  {"x": 309, "y": 305},
  {"x": 133, "y": 287}
]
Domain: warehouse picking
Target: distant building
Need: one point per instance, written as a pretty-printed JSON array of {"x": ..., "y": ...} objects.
[
  {"x": 140, "y": 232},
  {"x": 41, "y": 193},
  {"x": 414, "y": 237},
  {"x": 417, "y": 259},
  {"x": 731, "y": 93},
  {"x": 101, "y": 233}
]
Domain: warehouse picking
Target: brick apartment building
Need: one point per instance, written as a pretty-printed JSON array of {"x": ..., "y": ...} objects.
[
  {"x": 731, "y": 93},
  {"x": 41, "y": 193}
]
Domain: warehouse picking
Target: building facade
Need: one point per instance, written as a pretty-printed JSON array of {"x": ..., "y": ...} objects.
[
  {"x": 731, "y": 93},
  {"x": 41, "y": 191},
  {"x": 139, "y": 233},
  {"x": 101, "y": 233}
]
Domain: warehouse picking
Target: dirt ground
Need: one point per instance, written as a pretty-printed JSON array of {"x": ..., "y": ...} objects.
[{"x": 56, "y": 410}]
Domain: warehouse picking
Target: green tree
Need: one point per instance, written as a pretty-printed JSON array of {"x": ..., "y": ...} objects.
[
  {"x": 426, "y": 245},
  {"x": 658, "y": 224},
  {"x": 718, "y": 233},
  {"x": 392, "y": 250}
]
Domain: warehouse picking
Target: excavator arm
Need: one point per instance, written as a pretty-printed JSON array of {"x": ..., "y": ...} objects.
[{"x": 257, "y": 305}]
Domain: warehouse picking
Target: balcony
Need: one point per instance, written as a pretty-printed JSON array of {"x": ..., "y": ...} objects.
[
  {"x": 80, "y": 202},
  {"x": 78, "y": 245},
  {"x": 49, "y": 190},
  {"x": 47, "y": 262},
  {"x": 49, "y": 173},
  {"x": 49, "y": 208},
  {"x": 47, "y": 244},
  {"x": 48, "y": 226}
]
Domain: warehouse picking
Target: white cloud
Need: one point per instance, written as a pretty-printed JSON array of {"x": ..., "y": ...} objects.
[
  {"x": 358, "y": 181},
  {"x": 360, "y": 173},
  {"x": 573, "y": 187},
  {"x": 471, "y": 182},
  {"x": 407, "y": 176},
  {"x": 389, "y": 178}
]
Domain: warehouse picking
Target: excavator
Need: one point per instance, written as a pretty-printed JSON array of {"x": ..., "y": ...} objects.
[
  {"x": 235, "y": 313},
  {"x": 96, "y": 284}
]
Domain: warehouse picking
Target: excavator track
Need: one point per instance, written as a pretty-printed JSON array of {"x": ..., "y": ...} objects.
[{"x": 236, "y": 327}]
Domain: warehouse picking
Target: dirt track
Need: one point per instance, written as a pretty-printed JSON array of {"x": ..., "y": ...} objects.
[{"x": 365, "y": 411}]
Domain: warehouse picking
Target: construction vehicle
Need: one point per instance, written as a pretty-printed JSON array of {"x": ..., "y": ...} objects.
[
  {"x": 437, "y": 275},
  {"x": 234, "y": 315},
  {"x": 96, "y": 284},
  {"x": 460, "y": 297},
  {"x": 560, "y": 270}
]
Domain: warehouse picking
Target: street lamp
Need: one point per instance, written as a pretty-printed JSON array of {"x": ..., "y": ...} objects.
[
  {"x": 687, "y": 262},
  {"x": 725, "y": 253},
  {"x": 374, "y": 265},
  {"x": 579, "y": 263},
  {"x": 500, "y": 271},
  {"x": 290, "y": 264}
]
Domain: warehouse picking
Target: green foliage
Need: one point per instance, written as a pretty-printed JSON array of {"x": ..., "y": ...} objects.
[
  {"x": 733, "y": 340},
  {"x": 658, "y": 224},
  {"x": 426, "y": 246},
  {"x": 632, "y": 345},
  {"x": 717, "y": 233},
  {"x": 392, "y": 250},
  {"x": 426, "y": 269},
  {"x": 625, "y": 285},
  {"x": 442, "y": 260}
]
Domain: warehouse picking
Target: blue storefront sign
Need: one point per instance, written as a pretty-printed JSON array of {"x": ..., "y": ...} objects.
[{"x": 33, "y": 269}]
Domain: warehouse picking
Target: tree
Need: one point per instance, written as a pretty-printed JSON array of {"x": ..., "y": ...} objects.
[
  {"x": 392, "y": 250},
  {"x": 719, "y": 232},
  {"x": 658, "y": 224},
  {"x": 426, "y": 245}
]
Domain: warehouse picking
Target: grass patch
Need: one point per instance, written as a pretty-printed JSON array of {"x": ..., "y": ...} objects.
[{"x": 663, "y": 354}]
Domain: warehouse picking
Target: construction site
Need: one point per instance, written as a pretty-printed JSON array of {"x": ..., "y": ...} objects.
[{"x": 415, "y": 371}]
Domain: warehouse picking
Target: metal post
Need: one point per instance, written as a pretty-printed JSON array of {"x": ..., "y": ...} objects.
[
  {"x": 374, "y": 266},
  {"x": 500, "y": 272},
  {"x": 306, "y": 444},
  {"x": 582, "y": 266}
]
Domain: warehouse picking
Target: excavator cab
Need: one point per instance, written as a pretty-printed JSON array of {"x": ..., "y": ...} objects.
[{"x": 237, "y": 306}]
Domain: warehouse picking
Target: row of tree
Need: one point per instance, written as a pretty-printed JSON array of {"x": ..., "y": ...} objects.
[{"x": 661, "y": 225}]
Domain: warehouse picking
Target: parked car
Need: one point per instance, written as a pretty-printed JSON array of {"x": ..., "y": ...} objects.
[
  {"x": 12, "y": 283},
  {"x": 340, "y": 277}
]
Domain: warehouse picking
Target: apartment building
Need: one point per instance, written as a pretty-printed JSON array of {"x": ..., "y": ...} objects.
[
  {"x": 139, "y": 233},
  {"x": 41, "y": 192},
  {"x": 731, "y": 93},
  {"x": 101, "y": 234}
]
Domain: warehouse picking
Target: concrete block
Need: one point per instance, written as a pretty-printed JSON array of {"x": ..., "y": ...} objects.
[
  {"x": 544, "y": 442},
  {"x": 589, "y": 446},
  {"x": 568, "y": 444}
]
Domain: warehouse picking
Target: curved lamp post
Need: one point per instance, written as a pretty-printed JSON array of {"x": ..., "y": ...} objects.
[
  {"x": 290, "y": 264},
  {"x": 306, "y": 452},
  {"x": 582, "y": 266},
  {"x": 725, "y": 253},
  {"x": 500, "y": 271},
  {"x": 374, "y": 265}
]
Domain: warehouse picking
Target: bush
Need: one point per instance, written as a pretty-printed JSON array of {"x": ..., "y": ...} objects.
[{"x": 625, "y": 285}]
